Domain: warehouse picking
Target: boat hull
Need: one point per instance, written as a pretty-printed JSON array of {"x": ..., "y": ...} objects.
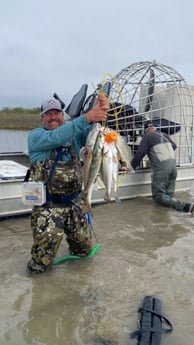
[
  {"x": 131, "y": 185},
  {"x": 138, "y": 184},
  {"x": 11, "y": 198}
]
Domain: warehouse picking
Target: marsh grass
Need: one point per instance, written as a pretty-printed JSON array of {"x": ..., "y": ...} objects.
[{"x": 19, "y": 118}]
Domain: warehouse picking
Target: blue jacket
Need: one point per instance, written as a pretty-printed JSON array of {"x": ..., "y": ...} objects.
[{"x": 42, "y": 141}]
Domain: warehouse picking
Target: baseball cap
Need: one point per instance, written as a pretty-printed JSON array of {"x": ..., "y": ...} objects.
[
  {"x": 49, "y": 104},
  {"x": 148, "y": 124}
]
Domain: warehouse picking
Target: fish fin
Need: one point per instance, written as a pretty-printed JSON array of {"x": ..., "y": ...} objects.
[{"x": 87, "y": 205}]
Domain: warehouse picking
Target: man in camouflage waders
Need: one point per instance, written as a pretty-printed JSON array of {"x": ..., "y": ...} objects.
[
  {"x": 160, "y": 150},
  {"x": 54, "y": 156}
]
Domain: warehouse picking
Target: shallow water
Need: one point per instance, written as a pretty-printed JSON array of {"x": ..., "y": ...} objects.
[
  {"x": 17, "y": 140},
  {"x": 145, "y": 250}
]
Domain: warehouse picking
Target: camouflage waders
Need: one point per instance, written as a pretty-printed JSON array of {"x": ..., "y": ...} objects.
[
  {"x": 49, "y": 225},
  {"x": 61, "y": 214}
]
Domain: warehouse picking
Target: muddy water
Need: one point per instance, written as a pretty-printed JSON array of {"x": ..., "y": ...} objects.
[{"x": 145, "y": 250}]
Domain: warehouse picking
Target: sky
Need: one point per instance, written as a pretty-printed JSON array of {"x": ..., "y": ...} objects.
[{"x": 57, "y": 46}]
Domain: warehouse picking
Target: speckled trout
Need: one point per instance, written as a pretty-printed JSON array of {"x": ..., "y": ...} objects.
[
  {"x": 124, "y": 152},
  {"x": 109, "y": 171},
  {"x": 91, "y": 170},
  {"x": 86, "y": 153}
]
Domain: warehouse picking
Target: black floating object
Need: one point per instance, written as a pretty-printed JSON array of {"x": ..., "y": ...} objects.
[{"x": 151, "y": 320}]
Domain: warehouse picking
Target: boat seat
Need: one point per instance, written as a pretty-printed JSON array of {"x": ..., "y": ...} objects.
[{"x": 75, "y": 106}]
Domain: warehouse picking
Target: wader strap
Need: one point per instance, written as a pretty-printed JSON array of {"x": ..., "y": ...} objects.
[{"x": 58, "y": 149}]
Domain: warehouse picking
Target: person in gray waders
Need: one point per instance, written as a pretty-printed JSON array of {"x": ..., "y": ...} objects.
[
  {"x": 54, "y": 156},
  {"x": 160, "y": 150}
]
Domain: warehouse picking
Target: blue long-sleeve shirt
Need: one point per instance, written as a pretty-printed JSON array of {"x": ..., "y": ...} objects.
[{"x": 42, "y": 141}]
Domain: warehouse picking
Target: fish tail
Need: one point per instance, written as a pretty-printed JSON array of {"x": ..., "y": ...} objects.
[
  {"x": 88, "y": 209},
  {"x": 107, "y": 197},
  {"x": 87, "y": 206},
  {"x": 117, "y": 201}
]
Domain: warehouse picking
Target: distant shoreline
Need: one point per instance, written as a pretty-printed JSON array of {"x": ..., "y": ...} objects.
[{"x": 19, "y": 118}]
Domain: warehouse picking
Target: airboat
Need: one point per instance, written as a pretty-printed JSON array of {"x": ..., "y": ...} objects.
[
  {"x": 151, "y": 91},
  {"x": 142, "y": 91}
]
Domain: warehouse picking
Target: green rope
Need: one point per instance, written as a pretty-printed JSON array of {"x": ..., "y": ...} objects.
[{"x": 66, "y": 257}]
